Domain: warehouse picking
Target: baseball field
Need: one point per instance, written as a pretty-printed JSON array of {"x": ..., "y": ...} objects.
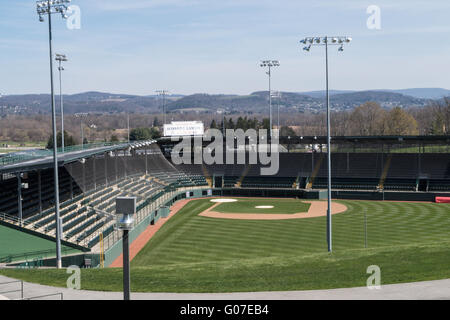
[{"x": 256, "y": 246}]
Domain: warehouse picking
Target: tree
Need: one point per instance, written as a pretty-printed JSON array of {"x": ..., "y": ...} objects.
[
  {"x": 265, "y": 124},
  {"x": 114, "y": 138},
  {"x": 286, "y": 131},
  {"x": 230, "y": 124},
  {"x": 367, "y": 119},
  {"x": 156, "y": 122},
  {"x": 68, "y": 140},
  {"x": 155, "y": 133},
  {"x": 213, "y": 125},
  {"x": 398, "y": 122},
  {"x": 139, "y": 134},
  {"x": 441, "y": 117}
]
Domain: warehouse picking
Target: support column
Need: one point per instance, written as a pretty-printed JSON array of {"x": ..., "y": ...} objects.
[
  {"x": 106, "y": 169},
  {"x": 84, "y": 175},
  {"x": 19, "y": 197},
  {"x": 146, "y": 165},
  {"x": 40, "y": 191},
  {"x": 115, "y": 164},
  {"x": 94, "y": 174},
  {"x": 71, "y": 183}
]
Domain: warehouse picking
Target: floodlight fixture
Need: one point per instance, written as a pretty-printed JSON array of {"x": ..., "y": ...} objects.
[
  {"x": 48, "y": 8},
  {"x": 325, "y": 41},
  {"x": 163, "y": 94},
  {"x": 270, "y": 64}
]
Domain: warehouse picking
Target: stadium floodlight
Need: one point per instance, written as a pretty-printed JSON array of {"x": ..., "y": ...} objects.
[
  {"x": 163, "y": 93},
  {"x": 125, "y": 210},
  {"x": 61, "y": 58},
  {"x": 325, "y": 42},
  {"x": 81, "y": 115},
  {"x": 48, "y": 8},
  {"x": 270, "y": 64},
  {"x": 277, "y": 95}
]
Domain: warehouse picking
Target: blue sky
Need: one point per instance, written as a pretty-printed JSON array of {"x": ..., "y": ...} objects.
[{"x": 211, "y": 46}]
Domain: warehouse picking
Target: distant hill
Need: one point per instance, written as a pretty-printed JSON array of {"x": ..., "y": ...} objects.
[
  {"x": 425, "y": 93},
  {"x": 420, "y": 93},
  {"x": 256, "y": 102},
  {"x": 321, "y": 93}
]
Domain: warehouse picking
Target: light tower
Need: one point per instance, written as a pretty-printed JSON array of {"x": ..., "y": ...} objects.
[
  {"x": 326, "y": 41},
  {"x": 81, "y": 115},
  {"x": 61, "y": 58},
  {"x": 270, "y": 64},
  {"x": 163, "y": 93},
  {"x": 48, "y": 8}
]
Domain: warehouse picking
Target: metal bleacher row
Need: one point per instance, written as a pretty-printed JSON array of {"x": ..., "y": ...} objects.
[
  {"x": 88, "y": 191},
  {"x": 350, "y": 171}
]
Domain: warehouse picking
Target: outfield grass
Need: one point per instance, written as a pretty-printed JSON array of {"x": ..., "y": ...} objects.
[
  {"x": 248, "y": 206},
  {"x": 409, "y": 241}
]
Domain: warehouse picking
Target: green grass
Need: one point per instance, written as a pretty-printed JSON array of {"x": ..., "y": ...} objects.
[
  {"x": 26, "y": 246},
  {"x": 317, "y": 271},
  {"x": 248, "y": 206},
  {"x": 409, "y": 241}
]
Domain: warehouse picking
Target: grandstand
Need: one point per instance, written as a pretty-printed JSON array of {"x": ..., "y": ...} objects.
[{"x": 92, "y": 177}]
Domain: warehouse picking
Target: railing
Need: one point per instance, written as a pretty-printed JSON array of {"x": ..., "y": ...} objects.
[
  {"x": 22, "y": 223},
  {"x": 60, "y": 294},
  {"x": 13, "y": 291},
  {"x": 33, "y": 255},
  {"x": 22, "y": 156}
]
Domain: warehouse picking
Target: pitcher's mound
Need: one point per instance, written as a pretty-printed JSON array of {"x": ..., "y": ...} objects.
[
  {"x": 317, "y": 209},
  {"x": 223, "y": 200}
]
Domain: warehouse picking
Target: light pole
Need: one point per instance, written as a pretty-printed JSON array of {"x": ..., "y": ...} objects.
[
  {"x": 81, "y": 116},
  {"x": 48, "y": 8},
  {"x": 128, "y": 127},
  {"x": 270, "y": 64},
  {"x": 125, "y": 211},
  {"x": 163, "y": 93},
  {"x": 60, "y": 58},
  {"x": 277, "y": 95},
  {"x": 325, "y": 41}
]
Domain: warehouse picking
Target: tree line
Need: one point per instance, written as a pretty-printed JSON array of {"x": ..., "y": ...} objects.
[{"x": 366, "y": 119}]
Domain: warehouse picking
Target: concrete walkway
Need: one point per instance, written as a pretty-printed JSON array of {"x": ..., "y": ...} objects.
[{"x": 438, "y": 289}]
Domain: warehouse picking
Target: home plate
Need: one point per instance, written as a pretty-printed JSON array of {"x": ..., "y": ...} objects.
[
  {"x": 264, "y": 207},
  {"x": 223, "y": 200}
]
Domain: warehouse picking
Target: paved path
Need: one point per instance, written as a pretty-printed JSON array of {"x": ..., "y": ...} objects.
[{"x": 438, "y": 289}]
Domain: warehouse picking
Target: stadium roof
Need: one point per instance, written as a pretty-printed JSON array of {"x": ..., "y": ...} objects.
[
  {"x": 43, "y": 158},
  {"x": 386, "y": 140}
]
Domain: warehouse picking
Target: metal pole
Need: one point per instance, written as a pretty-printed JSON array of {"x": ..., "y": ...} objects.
[
  {"x": 278, "y": 125},
  {"x": 270, "y": 103},
  {"x": 55, "y": 145},
  {"x": 365, "y": 229},
  {"x": 40, "y": 191},
  {"x": 19, "y": 197},
  {"x": 164, "y": 106},
  {"x": 126, "y": 266},
  {"x": 82, "y": 133},
  {"x": 128, "y": 126},
  {"x": 61, "y": 106},
  {"x": 329, "y": 231}
]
